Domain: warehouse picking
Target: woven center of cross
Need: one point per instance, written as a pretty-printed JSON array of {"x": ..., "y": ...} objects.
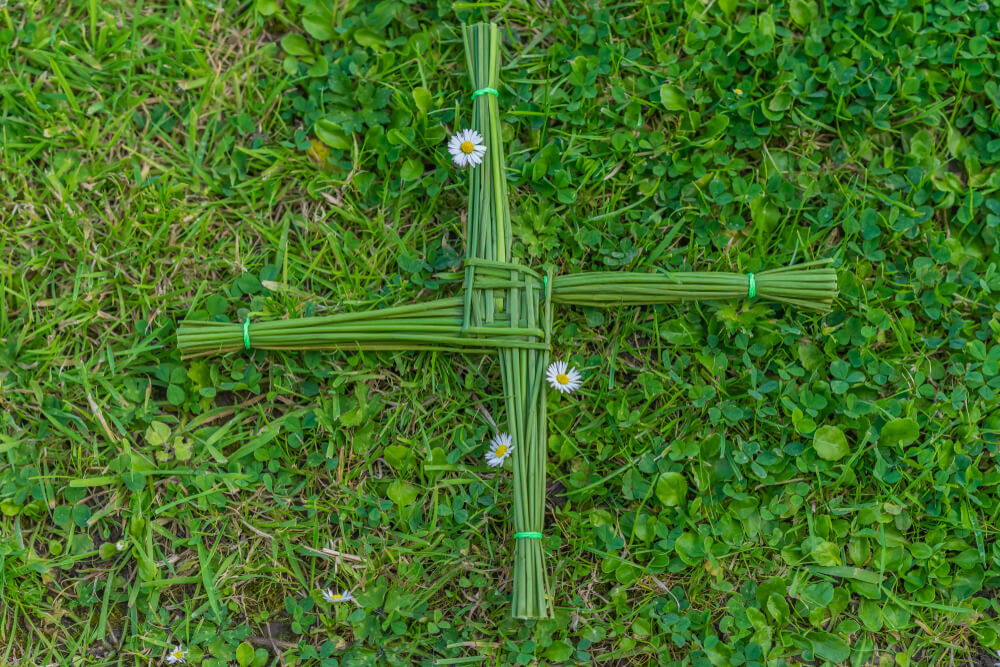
[
  {"x": 503, "y": 303},
  {"x": 506, "y": 308}
]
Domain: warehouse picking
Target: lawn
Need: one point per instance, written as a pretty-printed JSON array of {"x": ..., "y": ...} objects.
[{"x": 736, "y": 483}]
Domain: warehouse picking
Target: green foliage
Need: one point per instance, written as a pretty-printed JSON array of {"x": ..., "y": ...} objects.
[
  {"x": 830, "y": 443},
  {"x": 671, "y": 488},
  {"x": 161, "y": 162}
]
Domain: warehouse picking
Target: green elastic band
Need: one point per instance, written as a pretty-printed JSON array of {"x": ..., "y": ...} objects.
[
  {"x": 483, "y": 91},
  {"x": 752, "y": 289},
  {"x": 529, "y": 535},
  {"x": 545, "y": 283},
  {"x": 246, "y": 333}
]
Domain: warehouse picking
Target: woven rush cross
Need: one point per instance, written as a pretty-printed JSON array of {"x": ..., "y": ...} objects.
[{"x": 506, "y": 308}]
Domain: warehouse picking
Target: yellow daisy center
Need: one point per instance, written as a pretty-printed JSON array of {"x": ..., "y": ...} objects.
[
  {"x": 336, "y": 597},
  {"x": 500, "y": 451},
  {"x": 738, "y": 91},
  {"x": 178, "y": 654},
  {"x": 467, "y": 147},
  {"x": 562, "y": 378}
]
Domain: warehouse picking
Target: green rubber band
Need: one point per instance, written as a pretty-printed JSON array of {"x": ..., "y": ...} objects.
[
  {"x": 529, "y": 535},
  {"x": 752, "y": 288},
  {"x": 246, "y": 333},
  {"x": 483, "y": 91}
]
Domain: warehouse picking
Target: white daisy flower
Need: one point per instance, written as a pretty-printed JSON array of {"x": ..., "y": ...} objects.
[
  {"x": 176, "y": 657},
  {"x": 467, "y": 148},
  {"x": 120, "y": 545},
  {"x": 500, "y": 449},
  {"x": 330, "y": 596},
  {"x": 562, "y": 377}
]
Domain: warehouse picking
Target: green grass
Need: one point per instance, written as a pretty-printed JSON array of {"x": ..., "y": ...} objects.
[{"x": 736, "y": 484}]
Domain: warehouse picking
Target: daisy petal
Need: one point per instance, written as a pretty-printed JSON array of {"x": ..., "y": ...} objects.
[
  {"x": 562, "y": 378},
  {"x": 466, "y": 148},
  {"x": 501, "y": 447}
]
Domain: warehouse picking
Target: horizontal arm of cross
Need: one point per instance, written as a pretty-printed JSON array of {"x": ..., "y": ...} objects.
[
  {"x": 499, "y": 319},
  {"x": 428, "y": 325},
  {"x": 812, "y": 285}
]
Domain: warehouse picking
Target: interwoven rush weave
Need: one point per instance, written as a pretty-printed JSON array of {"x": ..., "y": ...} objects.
[{"x": 506, "y": 308}]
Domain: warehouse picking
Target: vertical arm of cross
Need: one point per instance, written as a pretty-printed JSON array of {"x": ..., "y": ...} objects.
[
  {"x": 489, "y": 233},
  {"x": 500, "y": 295}
]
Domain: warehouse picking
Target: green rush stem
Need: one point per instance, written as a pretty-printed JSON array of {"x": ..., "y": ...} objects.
[
  {"x": 497, "y": 294},
  {"x": 812, "y": 288}
]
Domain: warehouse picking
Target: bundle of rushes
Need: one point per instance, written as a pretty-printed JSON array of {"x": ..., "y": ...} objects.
[
  {"x": 440, "y": 324},
  {"x": 507, "y": 307},
  {"x": 520, "y": 296},
  {"x": 812, "y": 285}
]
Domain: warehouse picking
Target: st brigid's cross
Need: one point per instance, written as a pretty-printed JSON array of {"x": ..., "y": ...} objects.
[{"x": 507, "y": 308}]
